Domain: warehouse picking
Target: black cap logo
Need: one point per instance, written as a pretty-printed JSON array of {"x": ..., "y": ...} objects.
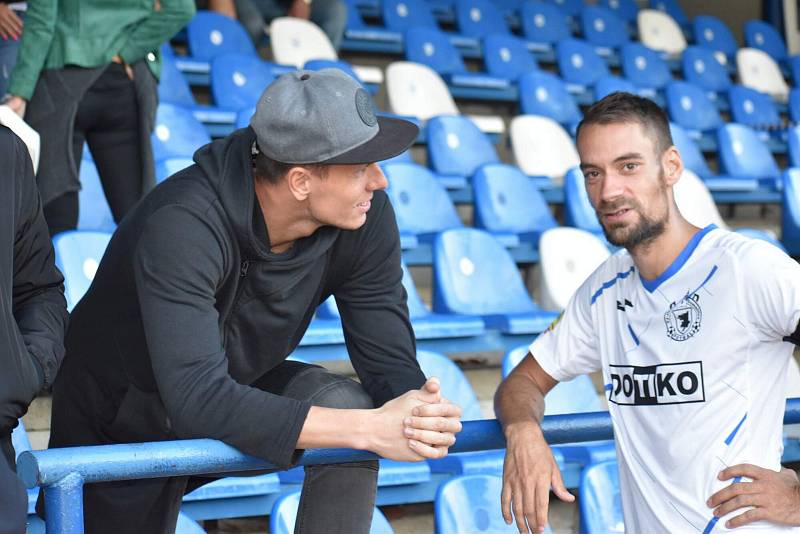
[{"x": 365, "y": 108}]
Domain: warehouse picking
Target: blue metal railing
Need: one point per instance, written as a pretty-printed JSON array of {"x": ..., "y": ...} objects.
[{"x": 63, "y": 472}]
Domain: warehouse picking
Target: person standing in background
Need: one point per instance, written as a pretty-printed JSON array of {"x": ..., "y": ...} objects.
[
  {"x": 12, "y": 15},
  {"x": 87, "y": 73}
]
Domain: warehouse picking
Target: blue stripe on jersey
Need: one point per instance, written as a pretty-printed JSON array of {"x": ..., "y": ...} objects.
[
  {"x": 610, "y": 283},
  {"x": 675, "y": 266},
  {"x": 711, "y": 524},
  {"x": 735, "y": 430},
  {"x": 633, "y": 335}
]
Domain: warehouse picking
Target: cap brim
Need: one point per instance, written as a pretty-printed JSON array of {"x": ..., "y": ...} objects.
[{"x": 394, "y": 137}]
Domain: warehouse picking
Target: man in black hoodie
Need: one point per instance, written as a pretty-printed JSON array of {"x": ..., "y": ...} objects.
[
  {"x": 209, "y": 284},
  {"x": 33, "y": 314}
]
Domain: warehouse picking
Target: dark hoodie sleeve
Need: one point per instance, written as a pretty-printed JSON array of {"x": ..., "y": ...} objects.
[
  {"x": 40, "y": 308},
  {"x": 372, "y": 303},
  {"x": 179, "y": 263}
]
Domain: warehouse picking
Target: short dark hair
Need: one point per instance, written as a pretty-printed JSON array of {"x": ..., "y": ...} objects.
[
  {"x": 272, "y": 171},
  {"x": 620, "y": 107}
]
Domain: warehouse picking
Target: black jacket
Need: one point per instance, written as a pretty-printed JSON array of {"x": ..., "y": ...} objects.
[
  {"x": 189, "y": 307},
  {"x": 33, "y": 312}
]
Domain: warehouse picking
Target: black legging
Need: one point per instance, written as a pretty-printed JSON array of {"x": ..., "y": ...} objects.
[{"x": 108, "y": 120}]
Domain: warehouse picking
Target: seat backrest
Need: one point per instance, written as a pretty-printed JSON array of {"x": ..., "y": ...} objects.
[
  {"x": 319, "y": 64},
  {"x": 671, "y": 8},
  {"x": 710, "y": 32},
  {"x": 508, "y": 201},
  {"x": 602, "y": 27},
  {"x": 570, "y": 8},
  {"x": 659, "y": 31},
  {"x": 456, "y": 146},
  {"x": 790, "y": 210},
  {"x": 512, "y": 358},
  {"x": 579, "y": 63},
  {"x": 172, "y": 86},
  {"x": 295, "y": 41},
  {"x": 94, "y": 212},
  {"x": 209, "y": 34},
  {"x": 417, "y": 90},
  {"x": 475, "y": 275},
  {"x": 763, "y": 35},
  {"x": 743, "y": 154},
  {"x": 690, "y": 153},
  {"x": 578, "y": 210},
  {"x": 758, "y": 70},
  {"x": 402, "y": 15},
  {"x": 237, "y": 80},
  {"x": 506, "y": 56},
  {"x": 543, "y": 93},
  {"x": 644, "y": 66},
  {"x": 284, "y": 514},
  {"x": 479, "y": 18},
  {"x": 625, "y": 9},
  {"x": 78, "y": 254},
  {"x": 542, "y": 147},
  {"x": 695, "y": 202},
  {"x": 421, "y": 204},
  {"x": 543, "y": 23},
  {"x": 455, "y": 385},
  {"x": 690, "y": 107},
  {"x": 611, "y": 84},
  {"x": 793, "y": 145},
  {"x": 471, "y": 503},
  {"x": 702, "y": 68},
  {"x": 600, "y": 500},
  {"x": 753, "y": 108},
  {"x": 567, "y": 257},
  {"x": 244, "y": 115},
  {"x": 431, "y": 47},
  {"x": 177, "y": 133}
]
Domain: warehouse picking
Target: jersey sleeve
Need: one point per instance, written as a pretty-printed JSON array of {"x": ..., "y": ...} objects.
[
  {"x": 771, "y": 293},
  {"x": 569, "y": 346}
]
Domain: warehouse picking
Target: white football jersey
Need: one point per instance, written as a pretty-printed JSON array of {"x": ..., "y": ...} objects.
[{"x": 694, "y": 366}]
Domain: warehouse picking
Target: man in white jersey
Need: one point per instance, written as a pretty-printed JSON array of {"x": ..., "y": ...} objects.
[{"x": 691, "y": 328}]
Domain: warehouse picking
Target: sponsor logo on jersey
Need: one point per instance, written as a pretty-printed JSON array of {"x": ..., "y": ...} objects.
[
  {"x": 683, "y": 318},
  {"x": 669, "y": 383}
]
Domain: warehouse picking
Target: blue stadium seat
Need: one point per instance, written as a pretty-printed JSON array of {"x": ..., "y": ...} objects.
[
  {"x": 344, "y": 66},
  {"x": 711, "y": 33},
  {"x": 237, "y": 80},
  {"x": 284, "y": 514},
  {"x": 570, "y": 8},
  {"x": 543, "y": 93},
  {"x": 673, "y": 9},
  {"x": 244, "y": 116},
  {"x": 232, "y": 497},
  {"x": 432, "y": 47},
  {"x": 702, "y": 68},
  {"x": 21, "y": 443},
  {"x": 78, "y": 254},
  {"x": 510, "y": 206},
  {"x": 764, "y": 36},
  {"x": 611, "y": 84},
  {"x": 604, "y": 30},
  {"x": 625, "y": 9},
  {"x": 421, "y": 204},
  {"x": 646, "y": 68},
  {"x": 543, "y": 25},
  {"x": 507, "y": 56},
  {"x": 690, "y": 107},
  {"x": 475, "y": 275},
  {"x": 455, "y": 385},
  {"x": 457, "y": 148},
  {"x": 360, "y": 36},
  {"x": 93, "y": 212},
  {"x": 694, "y": 160},
  {"x": 402, "y": 15},
  {"x": 177, "y": 133},
  {"x": 600, "y": 501},
  {"x": 580, "y": 67},
  {"x": 471, "y": 503},
  {"x": 578, "y": 210},
  {"x": 743, "y": 155},
  {"x": 479, "y": 18},
  {"x": 758, "y": 111},
  {"x": 793, "y": 142},
  {"x": 790, "y": 211},
  {"x": 208, "y": 35}
]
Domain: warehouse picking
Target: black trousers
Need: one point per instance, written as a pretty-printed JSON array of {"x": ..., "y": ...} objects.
[
  {"x": 108, "y": 120},
  {"x": 335, "y": 498},
  {"x": 13, "y": 497}
]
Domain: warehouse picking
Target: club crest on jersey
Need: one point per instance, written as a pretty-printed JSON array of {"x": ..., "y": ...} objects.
[{"x": 683, "y": 318}]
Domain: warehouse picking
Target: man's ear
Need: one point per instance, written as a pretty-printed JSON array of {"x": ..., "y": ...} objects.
[
  {"x": 672, "y": 164},
  {"x": 299, "y": 181}
]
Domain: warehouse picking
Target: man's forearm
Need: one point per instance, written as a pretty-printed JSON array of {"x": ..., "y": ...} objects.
[
  {"x": 519, "y": 400},
  {"x": 336, "y": 428}
]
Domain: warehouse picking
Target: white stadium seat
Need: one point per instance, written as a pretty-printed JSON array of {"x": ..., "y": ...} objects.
[
  {"x": 659, "y": 31},
  {"x": 542, "y": 147},
  {"x": 759, "y": 71}
]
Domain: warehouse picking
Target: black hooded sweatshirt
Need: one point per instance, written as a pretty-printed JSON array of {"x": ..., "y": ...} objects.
[
  {"x": 33, "y": 312},
  {"x": 189, "y": 307}
]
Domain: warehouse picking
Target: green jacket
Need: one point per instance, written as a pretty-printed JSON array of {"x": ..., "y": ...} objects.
[{"x": 88, "y": 33}]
